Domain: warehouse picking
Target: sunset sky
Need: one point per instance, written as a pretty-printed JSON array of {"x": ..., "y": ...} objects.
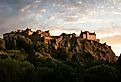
[{"x": 58, "y": 16}]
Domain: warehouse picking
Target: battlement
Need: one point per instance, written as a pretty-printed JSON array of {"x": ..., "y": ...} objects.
[
  {"x": 89, "y": 36},
  {"x": 46, "y": 37}
]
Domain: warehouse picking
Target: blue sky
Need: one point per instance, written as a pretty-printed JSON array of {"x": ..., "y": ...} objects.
[{"x": 101, "y": 16}]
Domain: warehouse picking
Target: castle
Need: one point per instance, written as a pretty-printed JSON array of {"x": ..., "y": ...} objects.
[
  {"x": 44, "y": 36},
  {"x": 89, "y": 36}
]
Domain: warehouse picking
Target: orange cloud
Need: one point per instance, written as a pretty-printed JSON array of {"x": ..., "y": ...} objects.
[{"x": 114, "y": 40}]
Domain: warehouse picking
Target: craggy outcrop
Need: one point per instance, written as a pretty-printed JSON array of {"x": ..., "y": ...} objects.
[
  {"x": 77, "y": 47},
  {"x": 80, "y": 48}
]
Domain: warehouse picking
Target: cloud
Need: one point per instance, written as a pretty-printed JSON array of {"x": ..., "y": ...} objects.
[
  {"x": 25, "y": 8},
  {"x": 117, "y": 49},
  {"x": 114, "y": 40},
  {"x": 112, "y": 37},
  {"x": 46, "y": 11},
  {"x": 70, "y": 7},
  {"x": 108, "y": 32}
]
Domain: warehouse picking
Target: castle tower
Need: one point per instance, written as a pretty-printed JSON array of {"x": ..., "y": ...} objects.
[{"x": 89, "y": 36}]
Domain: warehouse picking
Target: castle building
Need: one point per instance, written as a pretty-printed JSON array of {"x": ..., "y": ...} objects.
[
  {"x": 89, "y": 36},
  {"x": 45, "y": 33},
  {"x": 46, "y": 40},
  {"x": 45, "y": 36}
]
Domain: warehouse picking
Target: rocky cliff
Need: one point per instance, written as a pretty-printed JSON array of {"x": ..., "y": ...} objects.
[
  {"x": 81, "y": 48},
  {"x": 66, "y": 46}
]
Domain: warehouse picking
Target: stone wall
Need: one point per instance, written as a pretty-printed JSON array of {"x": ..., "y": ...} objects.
[{"x": 89, "y": 36}]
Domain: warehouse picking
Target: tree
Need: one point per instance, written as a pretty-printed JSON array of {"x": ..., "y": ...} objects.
[
  {"x": 61, "y": 54},
  {"x": 12, "y": 70},
  {"x": 2, "y": 44},
  {"x": 24, "y": 43},
  {"x": 119, "y": 60},
  {"x": 10, "y": 42},
  {"x": 101, "y": 73}
]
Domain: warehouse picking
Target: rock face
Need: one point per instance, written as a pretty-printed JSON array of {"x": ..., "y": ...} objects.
[
  {"x": 77, "y": 47},
  {"x": 81, "y": 48}
]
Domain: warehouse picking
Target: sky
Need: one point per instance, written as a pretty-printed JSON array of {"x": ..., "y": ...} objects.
[{"x": 58, "y": 16}]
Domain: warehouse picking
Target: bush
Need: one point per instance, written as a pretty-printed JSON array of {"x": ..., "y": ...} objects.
[{"x": 101, "y": 73}]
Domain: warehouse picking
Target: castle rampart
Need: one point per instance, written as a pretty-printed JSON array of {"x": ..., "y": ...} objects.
[
  {"x": 47, "y": 38},
  {"x": 89, "y": 36}
]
